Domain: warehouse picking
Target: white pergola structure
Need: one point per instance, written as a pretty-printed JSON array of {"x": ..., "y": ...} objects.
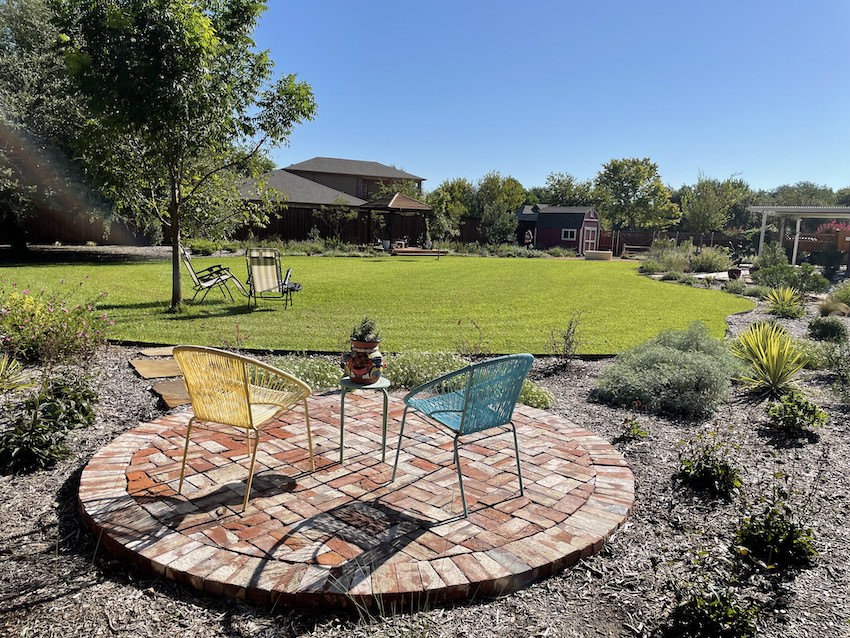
[{"x": 799, "y": 213}]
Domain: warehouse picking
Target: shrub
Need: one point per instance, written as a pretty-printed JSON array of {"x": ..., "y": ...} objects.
[
  {"x": 832, "y": 308},
  {"x": 773, "y": 254},
  {"x": 650, "y": 266},
  {"x": 827, "y": 329},
  {"x": 672, "y": 275},
  {"x": 536, "y": 396},
  {"x": 48, "y": 327},
  {"x": 65, "y": 402},
  {"x": 633, "y": 429},
  {"x": 773, "y": 356},
  {"x": 841, "y": 293},
  {"x": 794, "y": 415},
  {"x": 410, "y": 369},
  {"x": 201, "y": 246},
  {"x": 564, "y": 344},
  {"x": 840, "y": 365},
  {"x": 776, "y": 276},
  {"x": 809, "y": 280},
  {"x": 558, "y": 251},
  {"x": 703, "y": 466},
  {"x": 30, "y": 443},
  {"x": 734, "y": 287},
  {"x": 319, "y": 372},
  {"x": 819, "y": 355},
  {"x": 690, "y": 374},
  {"x": 714, "y": 259},
  {"x": 774, "y": 540},
  {"x": 712, "y": 612},
  {"x": 687, "y": 280},
  {"x": 676, "y": 262},
  {"x": 784, "y": 302},
  {"x": 756, "y": 291}
]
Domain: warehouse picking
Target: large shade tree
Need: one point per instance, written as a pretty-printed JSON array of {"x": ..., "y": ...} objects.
[
  {"x": 707, "y": 205},
  {"x": 632, "y": 196},
  {"x": 184, "y": 105},
  {"x": 495, "y": 201},
  {"x": 562, "y": 189}
]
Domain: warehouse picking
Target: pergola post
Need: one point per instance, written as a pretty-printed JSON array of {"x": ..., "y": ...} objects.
[
  {"x": 796, "y": 242},
  {"x": 763, "y": 228}
]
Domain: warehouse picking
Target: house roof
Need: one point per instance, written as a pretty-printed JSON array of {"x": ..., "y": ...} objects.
[
  {"x": 532, "y": 212},
  {"x": 299, "y": 190},
  {"x": 352, "y": 167}
]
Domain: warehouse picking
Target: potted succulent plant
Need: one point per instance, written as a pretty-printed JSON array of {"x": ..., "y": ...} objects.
[{"x": 364, "y": 363}]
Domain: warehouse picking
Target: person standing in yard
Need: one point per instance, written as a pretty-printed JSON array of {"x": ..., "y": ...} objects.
[{"x": 529, "y": 238}]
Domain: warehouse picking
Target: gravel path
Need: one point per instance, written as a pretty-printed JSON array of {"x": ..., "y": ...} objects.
[{"x": 56, "y": 581}]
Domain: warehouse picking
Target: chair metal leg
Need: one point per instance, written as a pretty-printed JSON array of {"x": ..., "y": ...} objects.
[
  {"x": 384, "y": 428},
  {"x": 309, "y": 436},
  {"x": 398, "y": 449},
  {"x": 251, "y": 469},
  {"x": 342, "y": 422},
  {"x": 516, "y": 449},
  {"x": 185, "y": 454},
  {"x": 460, "y": 480}
]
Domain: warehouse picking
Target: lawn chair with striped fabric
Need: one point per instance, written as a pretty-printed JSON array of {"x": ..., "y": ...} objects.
[{"x": 264, "y": 277}]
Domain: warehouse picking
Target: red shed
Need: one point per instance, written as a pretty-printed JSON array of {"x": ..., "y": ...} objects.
[{"x": 575, "y": 227}]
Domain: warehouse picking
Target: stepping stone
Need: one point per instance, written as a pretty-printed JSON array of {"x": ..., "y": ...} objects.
[
  {"x": 164, "y": 351},
  {"x": 156, "y": 368},
  {"x": 174, "y": 393}
]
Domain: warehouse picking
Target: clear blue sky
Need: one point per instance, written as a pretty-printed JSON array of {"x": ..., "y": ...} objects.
[{"x": 456, "y": 88}]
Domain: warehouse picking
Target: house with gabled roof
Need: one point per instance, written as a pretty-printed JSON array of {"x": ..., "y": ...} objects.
[
  {"x": 358, "y": 178},
  {"x": 573, "y": 227}
]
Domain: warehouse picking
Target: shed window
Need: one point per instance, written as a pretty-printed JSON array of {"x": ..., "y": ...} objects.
[{"x": 568, "y": 234}]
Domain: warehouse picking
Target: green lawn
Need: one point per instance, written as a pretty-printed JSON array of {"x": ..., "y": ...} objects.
[{"x": 420, "y": 303}]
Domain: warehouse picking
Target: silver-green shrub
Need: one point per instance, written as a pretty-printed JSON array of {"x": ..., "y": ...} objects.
[{"x": 679, "y": 372}]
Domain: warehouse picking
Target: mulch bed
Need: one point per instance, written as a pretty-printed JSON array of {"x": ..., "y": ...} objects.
[{"x": 56, "y": 581}]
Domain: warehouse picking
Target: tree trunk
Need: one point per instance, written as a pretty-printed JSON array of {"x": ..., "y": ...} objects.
[{"x": 176, "y": 280}]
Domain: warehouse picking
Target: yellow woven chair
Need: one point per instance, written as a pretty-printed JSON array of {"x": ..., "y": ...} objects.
[{"x": 233, "y": 390}]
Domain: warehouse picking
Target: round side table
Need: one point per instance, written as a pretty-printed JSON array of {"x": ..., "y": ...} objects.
[{"x": 347, "y": 385}]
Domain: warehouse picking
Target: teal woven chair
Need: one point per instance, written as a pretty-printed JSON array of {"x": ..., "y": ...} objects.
[{"x": 473, "y": 399}]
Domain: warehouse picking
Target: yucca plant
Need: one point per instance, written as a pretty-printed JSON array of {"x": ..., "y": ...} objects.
[
  {"x": 12, "y": 375},
  {"x": 774, "y": 358},
  {"x": 784, "y": 301}
]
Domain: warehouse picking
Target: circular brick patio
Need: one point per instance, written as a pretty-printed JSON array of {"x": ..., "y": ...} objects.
[{"x": 342, "y": 535}]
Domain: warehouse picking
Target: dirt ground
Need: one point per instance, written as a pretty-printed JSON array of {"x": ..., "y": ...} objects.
[{"x": 56, "y": 581}]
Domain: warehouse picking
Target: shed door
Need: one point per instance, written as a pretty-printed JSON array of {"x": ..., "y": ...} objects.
[{"x": 589, "y": 239}]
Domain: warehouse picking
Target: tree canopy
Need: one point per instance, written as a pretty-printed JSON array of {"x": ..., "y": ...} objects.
[
  {"x": 495, "y": 201},
  {"x": 183, "y": 107},
  {"x": 707, "y": 205},
  {"x": 562, "y": 189},
  {"x": 632, "y": 196}
]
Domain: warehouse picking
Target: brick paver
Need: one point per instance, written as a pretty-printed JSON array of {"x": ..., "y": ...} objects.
[{"x": 343, "y": 535}]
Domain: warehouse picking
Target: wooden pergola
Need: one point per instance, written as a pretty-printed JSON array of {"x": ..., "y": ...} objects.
[{"x": 799, "y": 213}]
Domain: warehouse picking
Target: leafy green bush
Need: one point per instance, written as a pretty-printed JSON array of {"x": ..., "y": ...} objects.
[
  {"x": 756, "y": 291},
  {"x": 704, "y": 466},
  {"x": 713, "y": 612},
  {"x": 49, "y": 327},
  {"x": 794, "y": 415},
  {"x": 536, "y": 396},
  {"x": 201, "y": 246},
  {"x": 672, "y": 275},
  {"x": 841, "y": 293},
  {"x": 690, "y": 376},
  {"x": 809, "y": 280},
  {"x": 773, "y": 356},
  {"x": 30, "y": 443},
  {"x": 650, "y": 266},
  {"x": 827, "y": 329},
  {"x": 713, "y": 259},
  {"x": 773, "y": 254},
  {"x": 784, "y": 302},
  {"x": 65, "y": 402},
  {"x": 776, "y": 276},
  {"x": 734, "y": 287},
  {"x": 774, "y": 539},
  {"x": 687, "y": 280},
  {"x": 633, "y": 429},
  {"x": 320, "y": 373},
  {"x": 819, "y": 355},
  {"x": 410, "y": 369}
]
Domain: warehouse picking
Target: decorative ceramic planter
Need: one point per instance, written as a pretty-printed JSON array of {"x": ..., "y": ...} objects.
[
  {"x": 734, "y": 273},
  {"x": 364, "y": 363}
]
